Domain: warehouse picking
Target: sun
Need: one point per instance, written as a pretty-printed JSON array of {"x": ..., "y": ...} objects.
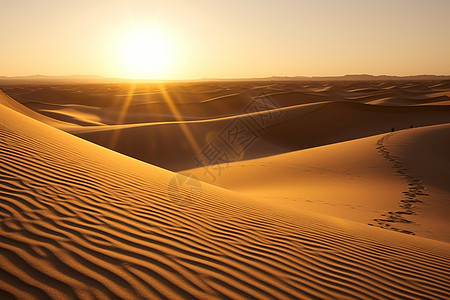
[{"x": 146, "y": 53}]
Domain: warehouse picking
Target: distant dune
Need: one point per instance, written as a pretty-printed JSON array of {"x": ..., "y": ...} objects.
[{"x": 327, "y": 190}]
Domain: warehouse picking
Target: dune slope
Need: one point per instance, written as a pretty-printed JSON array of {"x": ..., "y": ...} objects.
[
  {"x": 398, "y": 180},
  {"x": 78, "y": 220},
  {"x": 13, "y": 104}
]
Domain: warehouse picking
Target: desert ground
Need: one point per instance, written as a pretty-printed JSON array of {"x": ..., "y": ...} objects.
[{"x": 225, "y": 189}]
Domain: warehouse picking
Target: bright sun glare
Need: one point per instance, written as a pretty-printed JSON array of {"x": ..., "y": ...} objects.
[{"x": 146, "y": 53}]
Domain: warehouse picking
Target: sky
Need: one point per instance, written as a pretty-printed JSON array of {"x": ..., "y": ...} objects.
[{"x": 191, "y": 39}]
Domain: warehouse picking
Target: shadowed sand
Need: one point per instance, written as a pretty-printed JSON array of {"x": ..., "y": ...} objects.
[{"x": 79, "y": 220}]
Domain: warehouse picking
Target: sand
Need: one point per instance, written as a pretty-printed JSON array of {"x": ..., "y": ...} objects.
[{"x": 289, "y": 218}]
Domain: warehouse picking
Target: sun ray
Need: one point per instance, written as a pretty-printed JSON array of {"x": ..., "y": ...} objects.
[
  {"x": 175, "y": 112},
  {"x": 122, "y": 114}
]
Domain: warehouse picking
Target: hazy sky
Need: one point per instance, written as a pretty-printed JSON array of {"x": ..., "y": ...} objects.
[{"x": 227, "y": 38}]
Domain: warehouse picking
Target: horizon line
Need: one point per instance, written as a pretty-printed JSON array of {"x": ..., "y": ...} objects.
[{"x": 38, "y": 77}]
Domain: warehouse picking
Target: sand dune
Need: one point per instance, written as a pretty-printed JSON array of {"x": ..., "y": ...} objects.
[
  {"x": 405, "y": 173},
  {"x": 149, "y": 122},
  {"x": 82, "y": 221}
]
